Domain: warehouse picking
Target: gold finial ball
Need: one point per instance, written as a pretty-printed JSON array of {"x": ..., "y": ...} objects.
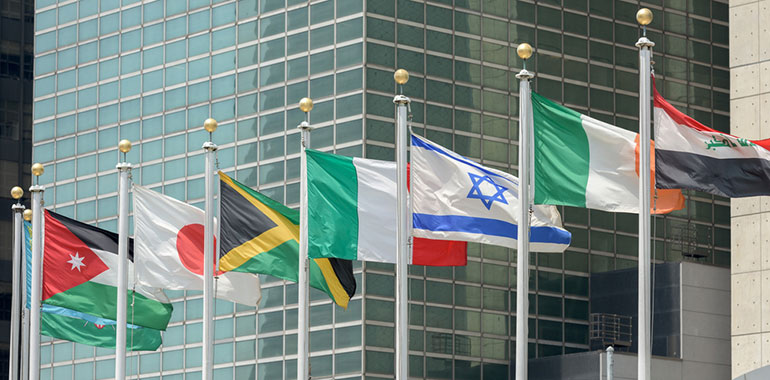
[
  {"x": 644, "y": 16},
  {"x": 306, "y": 104},
  {"x": 401, "y": 76},
  {"x": 17, "y": 192},
  {"x": 27, "y": 215},
  {"x": 210, "y": 125},
  {"x": 124, "y": 146},
  {"x": 524, "y": 50},
  {"x": 37, "y": 169}
]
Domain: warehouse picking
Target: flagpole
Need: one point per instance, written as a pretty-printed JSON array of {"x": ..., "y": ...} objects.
[
  {"x": 16, "y": 300},
  {"x": 37, "y": 273},
  {"x": 124, "y": 170},
  {"x": 24, "y": 312},
  {"x": 208, "y": 254},
  {"x": 402, "y": 248},
  {"x": 303, "y": 341},
  {"x": 644, "y": 17},
  {"x": 522, "y": 263},
  {"x": 402, "y": 233}
]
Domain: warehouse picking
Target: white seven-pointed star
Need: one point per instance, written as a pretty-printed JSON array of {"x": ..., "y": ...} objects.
[{"x": 76, "y": 261}]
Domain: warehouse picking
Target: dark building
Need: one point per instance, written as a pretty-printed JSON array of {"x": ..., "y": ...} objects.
[
  {"x": 690, "y": 327},
  {"x": 16, "y": 53}
]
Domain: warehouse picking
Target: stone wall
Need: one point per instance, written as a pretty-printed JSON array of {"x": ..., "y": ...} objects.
[{"x": 750, "y": 227}]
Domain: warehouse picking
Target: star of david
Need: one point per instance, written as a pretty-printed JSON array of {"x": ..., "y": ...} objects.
[{"x": 487, "y": 200}]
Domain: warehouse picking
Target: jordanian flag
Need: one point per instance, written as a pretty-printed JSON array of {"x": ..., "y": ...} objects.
[
  {"x": 80, "y": 272},
  {"x": 260, "y": 235},
  {"x": 62, "y": 323}
]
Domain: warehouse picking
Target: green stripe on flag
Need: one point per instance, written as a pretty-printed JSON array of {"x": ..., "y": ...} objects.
[
  {"x": 84, "y": 332},
  {"x": 275, "y": 262},
  {"x": 561, "y": 153},
  {"x": 100, "y": 300},
  {"x": 282, "y": 261},
  {"x": 332, "y": 201}
]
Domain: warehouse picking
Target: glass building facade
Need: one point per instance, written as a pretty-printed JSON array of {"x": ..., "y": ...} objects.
[{"x": 152, "y": 71}]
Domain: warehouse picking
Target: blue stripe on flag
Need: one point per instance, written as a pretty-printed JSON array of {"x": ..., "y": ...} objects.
[
  {"x": 485, "y": 226},
  {"x": 78, "y": 315},
  {"x": 28, "y": 261},
  {"x": 418, "y": 142}
]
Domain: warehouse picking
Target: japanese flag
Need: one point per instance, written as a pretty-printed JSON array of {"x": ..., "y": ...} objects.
[{"x": 168, "y": 249}]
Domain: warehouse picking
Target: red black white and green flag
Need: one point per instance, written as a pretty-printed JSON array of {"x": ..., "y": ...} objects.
[
  {"x": 80, "y": 275},
  {"x": 690, "y": 155}
]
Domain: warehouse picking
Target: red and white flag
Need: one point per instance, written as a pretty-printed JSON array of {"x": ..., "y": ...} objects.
[
  {"x": 168, "y": 246},
  {"x": 690, "y": 155}
]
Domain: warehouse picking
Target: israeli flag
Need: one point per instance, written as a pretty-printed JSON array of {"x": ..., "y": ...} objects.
[{"x": 454, "y": 198}]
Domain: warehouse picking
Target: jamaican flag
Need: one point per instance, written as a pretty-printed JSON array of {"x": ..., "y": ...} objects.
[{"x": 260, "y": 235}]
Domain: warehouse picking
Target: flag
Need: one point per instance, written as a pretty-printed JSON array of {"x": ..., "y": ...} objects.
[
  {"x": 439, "y": 253},
  {"x": 169, "y": 246},
  {"x": 583, "y": 162},
  {"x": 433, "y": 252},
  {"x": 690, "y": 155},
  {"x": 456, "y": 198},
  {"x": 62, "y": 323},
  {"x": 260, "y": 235},
  {"x": 352, "y": 213},
  {"x": 351, "y": 208},
  {"x": 80, "y": 265}
]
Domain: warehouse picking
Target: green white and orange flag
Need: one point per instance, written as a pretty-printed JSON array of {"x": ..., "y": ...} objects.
[{"x": 584, "y": 162}]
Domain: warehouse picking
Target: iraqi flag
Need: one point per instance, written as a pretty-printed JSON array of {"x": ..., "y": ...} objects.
[
  {"x": 169, "y": 248},
  {"x": 80, "y": 272},
  {"x": 689, "y": 155}
]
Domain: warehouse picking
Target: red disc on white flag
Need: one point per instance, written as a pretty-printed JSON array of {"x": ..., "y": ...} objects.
[{"x": 189, "y": 246}]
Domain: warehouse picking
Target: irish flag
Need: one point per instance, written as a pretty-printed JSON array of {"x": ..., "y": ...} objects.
[
  {"x": 352, "y": 213},
  {"x": 80, "y": 264},
  {"x": 583, "y": 162}
]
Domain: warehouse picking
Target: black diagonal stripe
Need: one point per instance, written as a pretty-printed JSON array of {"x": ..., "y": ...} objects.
[
  {"x": 93, "y": 237},
  {"x": 241, "y": 221},
  {"x": 344, "y": 271}
]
